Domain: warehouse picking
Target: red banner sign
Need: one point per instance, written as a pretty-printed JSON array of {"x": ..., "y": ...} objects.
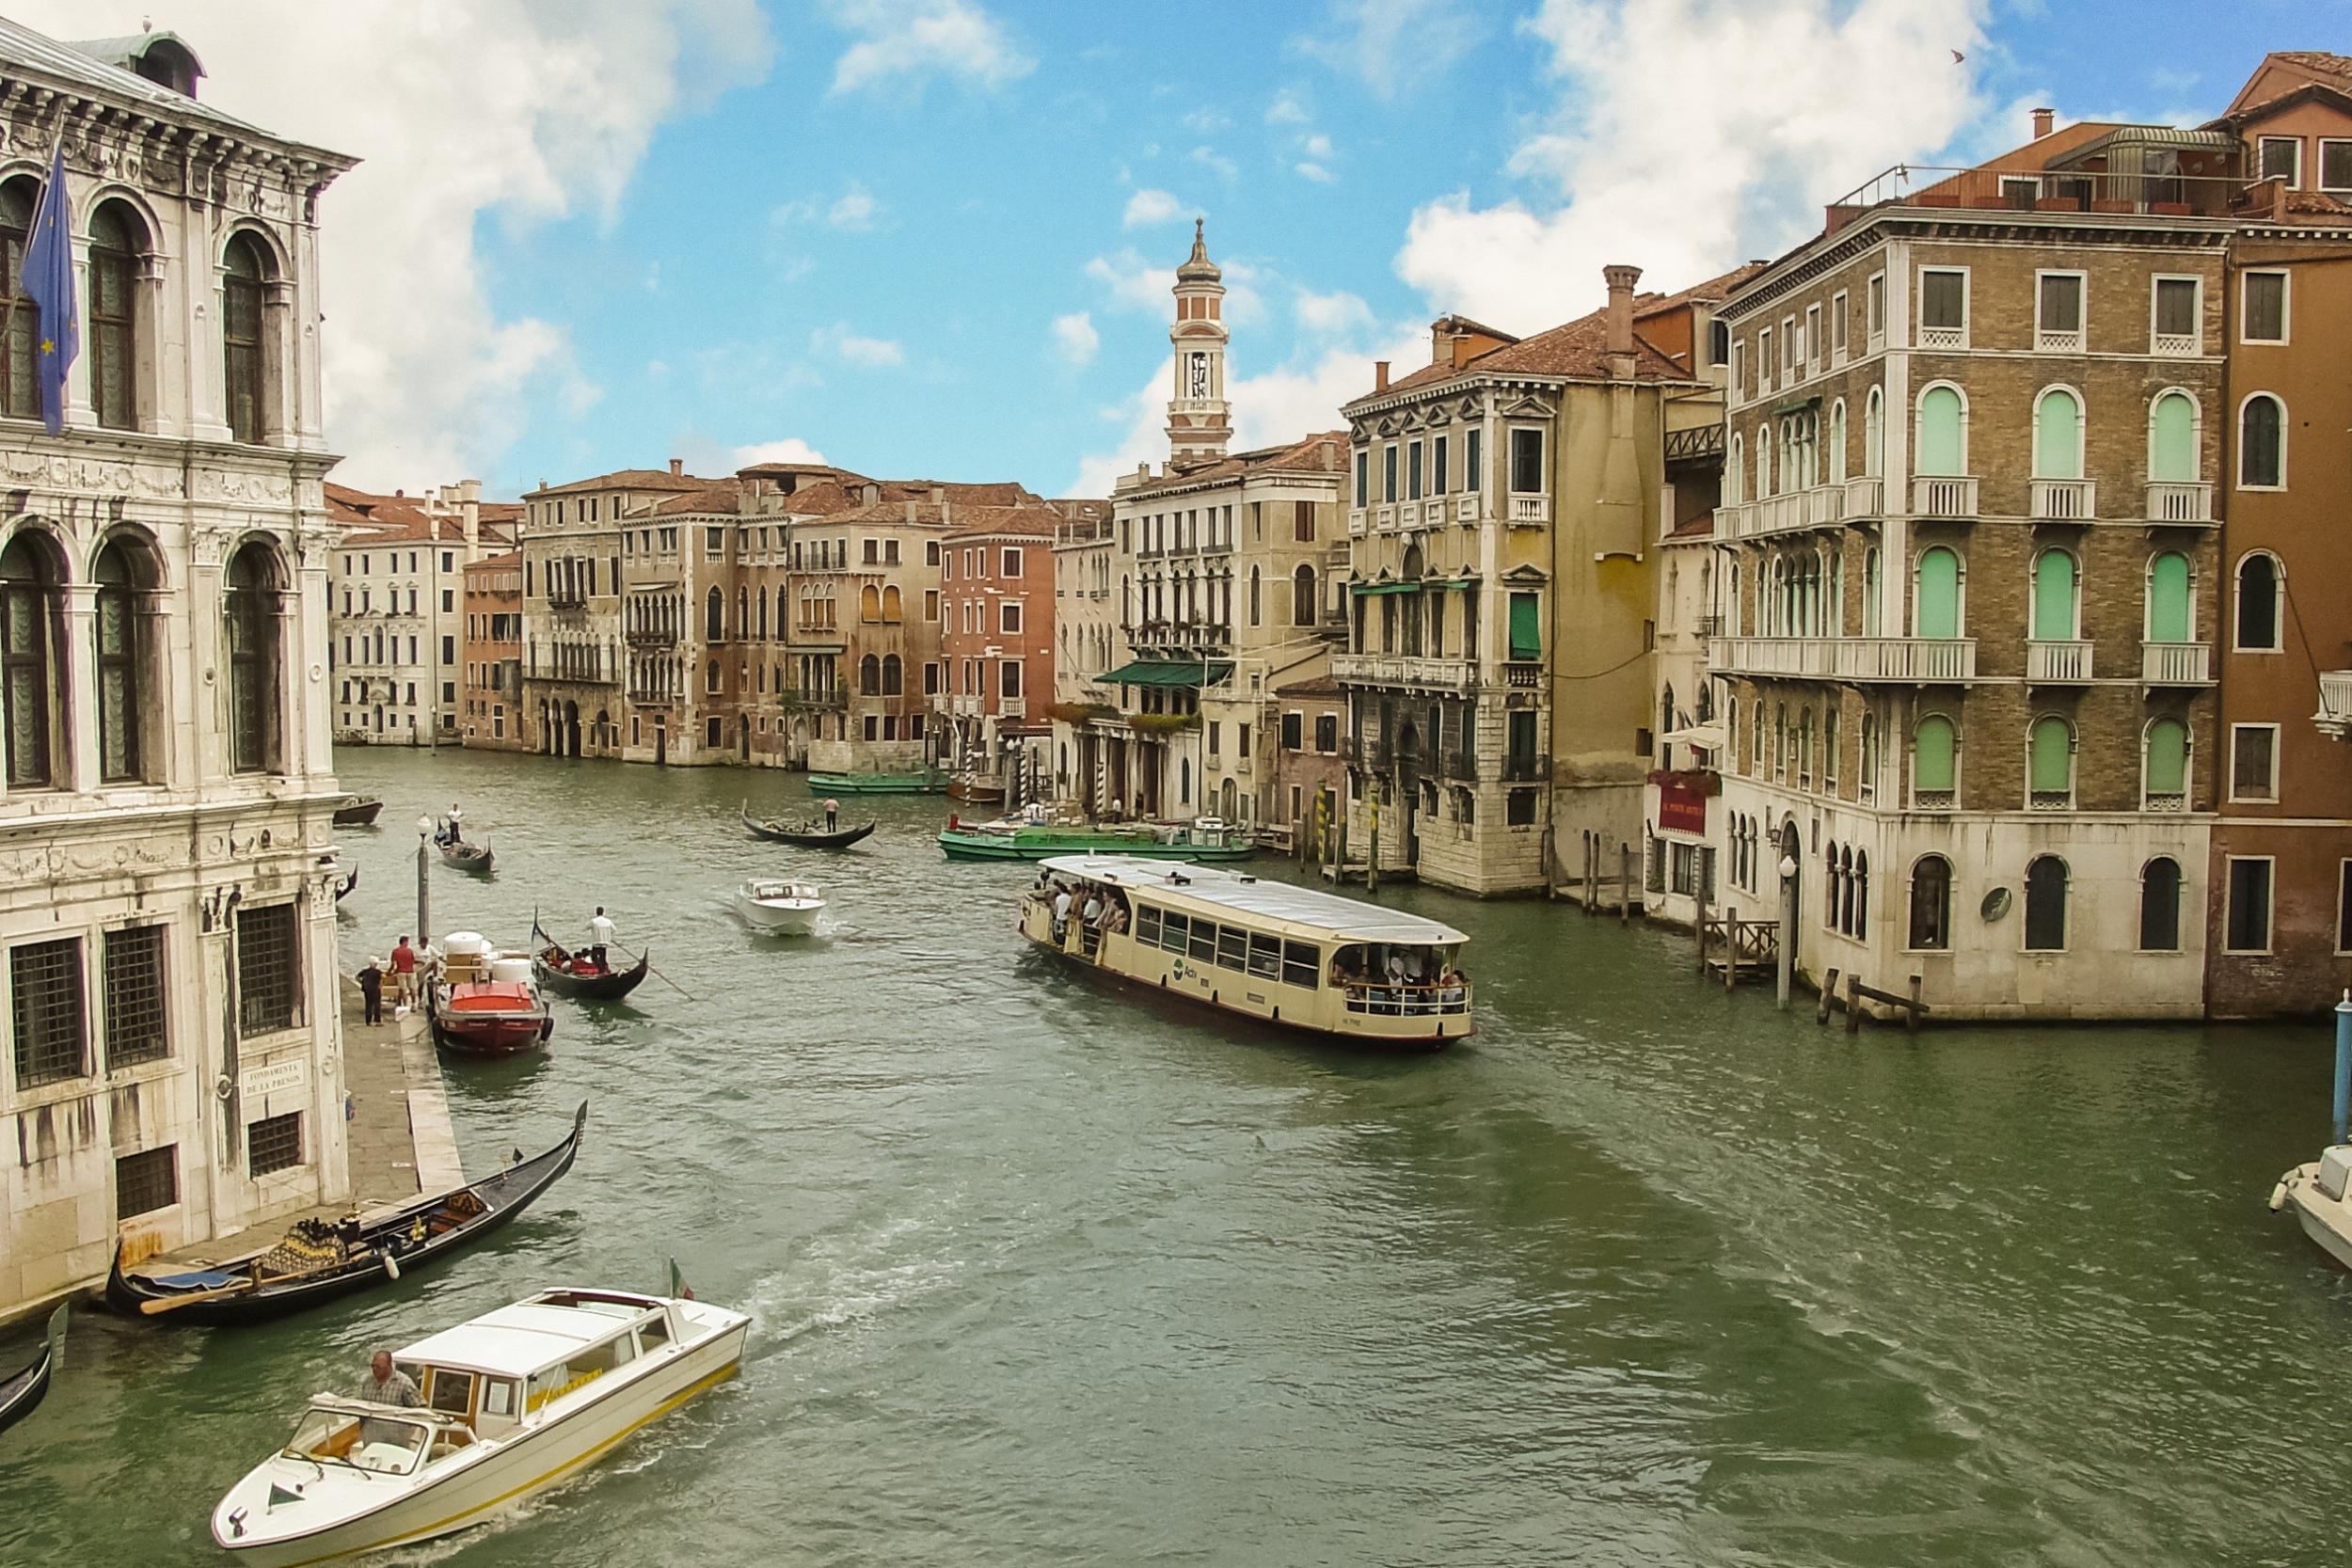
[{"x": 1682, "y": 806}]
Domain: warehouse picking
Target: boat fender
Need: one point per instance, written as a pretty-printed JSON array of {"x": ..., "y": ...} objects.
[
  {"x": 391, "y": 1267},
  {"x": 2278, "y": 1196}
]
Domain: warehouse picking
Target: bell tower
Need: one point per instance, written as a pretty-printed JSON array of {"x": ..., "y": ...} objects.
[{"x": 1200, "y": 421}]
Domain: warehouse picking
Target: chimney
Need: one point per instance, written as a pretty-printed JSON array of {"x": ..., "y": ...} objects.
[
  {"x": 1379, "y": 375},
  {"x": 1620, "y": 280},
  {"x": 2044, "y": 121},
  {"x": 469, "y": 507},
  {"x": 677, "y": 468}
]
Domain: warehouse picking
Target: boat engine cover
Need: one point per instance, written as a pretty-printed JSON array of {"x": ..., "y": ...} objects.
[{"x": 2335, "y": 1166}]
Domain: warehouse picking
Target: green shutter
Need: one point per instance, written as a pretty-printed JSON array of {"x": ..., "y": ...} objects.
[
  {"x": 2168, "y": 758},
  {"x": 2167, "y": 598},
  {"x": 2173, "y": 457},
  {"x": 1931, "y": 761},
  {"x": 1939, "y": 433},
  {"x": 2054, "y": 596},
  {"x": 1527, "y": 639},
  {"x": 2057, "y": 429},
  {"x": 1939, "y": 594},
  {"x": 2048, "y": 748}
]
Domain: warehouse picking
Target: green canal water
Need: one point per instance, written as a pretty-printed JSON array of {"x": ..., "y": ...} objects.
[{"x": 1643, "y": 1274}]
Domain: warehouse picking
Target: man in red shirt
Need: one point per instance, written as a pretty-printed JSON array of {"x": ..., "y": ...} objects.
[{"x": 403, "y": 973}]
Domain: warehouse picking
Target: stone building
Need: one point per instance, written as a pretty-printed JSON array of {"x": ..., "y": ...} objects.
[
  {"x": 1308, "y": 792},
  {"x": 490, "y": 650},
  {"x": 1969, "y": 580},
  {"x": 394, "y": 586},
  {"x": 996, "y": 646},
  {"x": 166, "y": 865},
  {"x": 1086, "y": 643}
]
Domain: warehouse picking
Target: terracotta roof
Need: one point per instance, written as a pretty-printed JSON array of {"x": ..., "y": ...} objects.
[
  {"x": 1320, "y": 685},
  {"x": 724, "y": 497},
  {"x": 2317, "y": 59},
  {"x": 832, "y": 499},
  {"x": 380, "y": 519},
  {"x": 1576, "y": 350},
  {"x": 1714, "y": 291},
  {"x": 1700, "y": 527},
  {"x": 1029, "y": 522},
  {"x": 1452, "y": 323},
  {"x": 627, "y": 479},
  {"x": 491, "y": 562},
  {"x": 1326, "y": 451}
]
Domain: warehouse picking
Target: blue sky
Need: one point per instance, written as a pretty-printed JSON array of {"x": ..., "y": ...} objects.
[{"x": 933, "y": 236}]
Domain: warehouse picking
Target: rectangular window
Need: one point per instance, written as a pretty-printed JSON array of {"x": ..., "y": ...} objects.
[
  {"x": 1328, "y": 733},
  {"x": 1718, "y": 340},
  {"x": 1439, "y": 483},
  {"x": 1792, "y": 350},
  {"x": 273, "y": 1143},
  {"x": 1388, "y": 473},
  {"x": 1874, "y": 308},
  {"x": 1943, "y": 308},
  {"x": 2253, "y": 762},
  {"x": 1813, "y": 344},
  {"x": 46, "y": 1011},
  {"x": 1527, "y": 640},
  {"x": 146, "y": 1181},
  {"x": 1739, "y": 368},
  {"x": 2247, "y": 928},
  {"x": 1009, "y": 560},
  {"x": 1293, "y": 730},
  {"x": 1175, "y": 932},
  {"x": 2281, "y": 158},
  {"x": 1363, "y": 475},
  {"x": 1473, "y": 470},
  {"x": 1518, "y": 808},
  {"x": 133, "y": 991},
  {"x": 1839, "y": 312},
  {"x": 1266, "y": 956},
  {"x": 1302, "y": 522},
  {"x": 2059, "y": 316},
  {"x": 1413, "y": 471},
  {"x": 1147, "y": 925},
  {"x": 2343, "y": 906},
  {"x": 2265, "y": 315},
  {"x": 269, "y": 969},
  {"x": 2335, "y": 165},
  {"x": 2177, "y": 329},
  {"x": 1764, "y": 360},
  {"x": 1203, "y": 943},
  {"x": 1008, "y": 617},
  {"x": 1527, "y": 460},
  {"x": 931, "y": 678},
  {"x": 1009, "y": 678},
  {"x": 1233, "y": 948},
  {"x": 1302, "y": 964}
]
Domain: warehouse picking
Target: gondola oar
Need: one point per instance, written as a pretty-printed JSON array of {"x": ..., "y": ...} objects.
[
  {"x": 667, "y": 981},
  {"x": 172, "y": 1304}
]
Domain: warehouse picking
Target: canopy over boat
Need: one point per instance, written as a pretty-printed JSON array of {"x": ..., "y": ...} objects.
[{"x": 1265, "y": 905}]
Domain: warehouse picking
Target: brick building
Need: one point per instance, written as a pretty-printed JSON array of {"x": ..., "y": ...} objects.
[
  {"x": 490, "y": 652},
  {"x": 995, "y": 675}
]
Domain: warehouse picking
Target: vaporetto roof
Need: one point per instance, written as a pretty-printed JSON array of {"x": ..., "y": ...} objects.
[{"x": 1269, "y": 906}]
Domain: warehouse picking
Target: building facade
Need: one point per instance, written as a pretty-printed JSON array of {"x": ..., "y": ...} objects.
[
  {"x": 166, "y": 865},
  {"x": 396, "y": 623},
  {"x": 995, "y": 677},
  {"x": 490, "y": 653}
]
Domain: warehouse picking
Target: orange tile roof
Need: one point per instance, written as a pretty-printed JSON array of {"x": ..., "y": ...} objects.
[
  {"x": 1326, "y": 451},
  {"x": 1027, "y": 522},
  {"x": 491, "y": 562},
  {"x": 627, "y": 479},
  {"x": 2317, "y": 59},
  {"x": 1714, "y": 291},
  {"x": 830, "y": 498},
  {"x": 1576, "y": 350},
  {"x": 725, "y": 496}
]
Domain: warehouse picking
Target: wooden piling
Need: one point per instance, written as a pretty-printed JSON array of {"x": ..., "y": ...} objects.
[
  {"x": 1854, "y": 1004},
  {"x": 1625, "y": 882},
  {"x": 1829, "y": 993},
  {"x": 1911, "y": 1016}
]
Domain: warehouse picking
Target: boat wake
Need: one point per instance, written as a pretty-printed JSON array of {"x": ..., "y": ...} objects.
[{"x": 843, "y": 1285}]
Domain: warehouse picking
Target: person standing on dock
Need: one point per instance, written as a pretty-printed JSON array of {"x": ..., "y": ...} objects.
[
  {"x": 833, "y": 814},
  {"x": 601, "y": 934},
  {"x": 372, "y": 991},
  {"x": 403, "y": 973}
]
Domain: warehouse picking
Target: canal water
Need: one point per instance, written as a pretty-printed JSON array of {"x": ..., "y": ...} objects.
[{"x": 1641, "y": 1274}]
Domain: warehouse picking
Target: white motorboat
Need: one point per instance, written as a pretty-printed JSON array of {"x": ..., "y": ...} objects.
[
  {"x": 785, "y": 908},
  {"x": 514, "y": 1401},
  {"x": 2318, "y": 1195}
]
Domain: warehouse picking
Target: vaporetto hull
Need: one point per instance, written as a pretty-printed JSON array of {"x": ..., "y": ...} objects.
[{"x": 512, "y": 1471}]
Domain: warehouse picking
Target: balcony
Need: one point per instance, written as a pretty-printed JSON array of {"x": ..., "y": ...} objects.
[
  {"x": 1943, "y": 495},
  {"x": 1012, "y": 707},
  {"x": 1910, "y": 660},
  {"x": 567, "y": 599},
  {"x": 1466, "y": 509},
  {"x": 2334, "y": 717},
  {"x": 2176, "y": 664},
  {"x": 2050, "y": 663},
  {"x": 2176, "y": 502},
  {"x": 2064, "y": 501},
  {"x": 1383, "y": 519},
  {"x": 1408, "y": 669},
  {"x": 1818, "y": 506},
  {"x": 1529, "y": 511},
  {"x": 1523, "y": 673},
  {"x": 649, "y": 637},
  {"x": 1461, "y": 767},
  {"x": 832, "y": 701},
  {"x": 1526, "y": 767},
  {"x": 1355, "y": 522},
  {"x": 1866, "y": 497},
  {"x": 2048, "y": 190}
]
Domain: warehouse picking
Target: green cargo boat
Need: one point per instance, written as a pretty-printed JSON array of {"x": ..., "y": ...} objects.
[
  {"x": 929, "y": 781},
  {"x": 1024, "y": 841}
]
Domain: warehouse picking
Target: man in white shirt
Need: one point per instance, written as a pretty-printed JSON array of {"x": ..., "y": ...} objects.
[
  {"x": 1061, "y": 913},
  {"x": 601, "y": 932}
]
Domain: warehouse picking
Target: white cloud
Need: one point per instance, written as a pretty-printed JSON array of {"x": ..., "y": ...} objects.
[
  {"x": 1285, "y": 110},
  {"x": 1074, "y": 337},
  {"x": 1331, "y": 315},
  {"x": 789, "y": 450},
  {"x": 856, "y": 211},
  {"x": 1317, "y": 146},
  {"x": 1661, "y": 152},
  {"x": 1202, "y": 122},
  {"x": 1133, "y": 281},
  {"x": 913, "y": 40},
  {"x": 1148, "y": 206},
  {"x": 1398, "y": 45},
  {"x": 1209, "y": 157},
  {"x": 1308, "y": 169},
  {"x": 852, "y": 349},
  {"x": 494, "y": 109}
]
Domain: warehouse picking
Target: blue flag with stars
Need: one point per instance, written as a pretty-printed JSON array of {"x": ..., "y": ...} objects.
[{"x": 48, "y": 284}]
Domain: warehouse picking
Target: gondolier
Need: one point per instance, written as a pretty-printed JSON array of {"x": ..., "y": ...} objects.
[
  {"x": 833, "y": 814},
  {"x": 601, "y": 935}
]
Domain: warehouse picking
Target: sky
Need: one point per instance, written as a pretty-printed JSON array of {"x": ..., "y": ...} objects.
[{"x": 934, "y": 238}]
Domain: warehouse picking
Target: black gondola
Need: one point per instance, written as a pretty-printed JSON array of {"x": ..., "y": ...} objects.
[
  {"x": 319, "y": 1262},
  {"x": 596, "y": 985},
  {"x": 344, "y": 886},
  {"x": 808, "y": 835},
  {"x": 467, "y": 857},
  {"x": 21, "y": 1392},
  {"x": 358, "y": 811}
]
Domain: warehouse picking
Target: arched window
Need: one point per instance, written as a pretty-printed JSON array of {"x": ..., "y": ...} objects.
[
  {"x": 1736, "y": 473},
  {"x": 1943, "y": 433},
  {"x": 1871, "y": 591},
  {"x": 2164, "y": 764},
  {"x": 1934, "y": 762},
  {"x": 869, "y": 603},
  {"x": 1303, "y": 597},
  {"x": 20, "y": 393},
  {"x": 1937, "y": 604},
  {"x": 1932, "y": 903},
  {"x": 1256, "y": 594},
  {"x": 780, "y": 610},
  {"x": 893, "y": 675},
  {"x": 2261, "y": 596},
  {"x": 2054, "y": 597},
  {"x": 1869, "y": 779},
  {"x": 2261, "y": 444},
  {"x": 1805, "y": 745},
  {"x": 742, "y": 612},
  {"x": 2050, "y": 761},
  {"x": 714, "y": 617},
  {"x": 2058, "y": 434},
  {"x": 1763, "y": 461},
  {"x": 1829, "y": 747},
  {"x": 1874, "y": 434},
  {"x": 869, "y": 676},
  {"x": 120, "y": 637},
  {"x": 32, "y": 676},
  {"x": 1829, "y": 888},
  {"x": 710, "y": 676},
  {"x": 2046, "y": 905},
  {"x": 894, "y": 607},
  {"x": 243, "y": 366},
  {"x": 2160, "y": 906},
  {"x": 2172, "y": 439},
  {"x": 1837, "y": 441},
  {"x": 1861, "y": 918},
  {"x": 256, "y": 726},
  {"x": 117, "y": 239},
  {"x": 2169, "y": 618}
]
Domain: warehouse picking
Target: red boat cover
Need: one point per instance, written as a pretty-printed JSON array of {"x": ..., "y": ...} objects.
[{"x": 491, "y": 996}]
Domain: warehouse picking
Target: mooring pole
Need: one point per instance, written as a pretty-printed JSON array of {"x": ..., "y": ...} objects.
[
  {"x": 425, "y": 896},
  {"x": 2343, "y": 1064},
  {"x": 1787, "y": 925}
]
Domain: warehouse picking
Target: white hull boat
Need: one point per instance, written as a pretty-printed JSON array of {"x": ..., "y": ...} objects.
[
  {"x": 2318, "y": 1193},
  {"x": 783, "y": 908},
  {"x": 514, "y": 1401}
]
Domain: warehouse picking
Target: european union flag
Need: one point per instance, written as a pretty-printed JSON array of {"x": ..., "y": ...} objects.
[{"x": 48, "y": 284}]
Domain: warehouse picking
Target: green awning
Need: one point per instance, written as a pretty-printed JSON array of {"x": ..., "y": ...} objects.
[
  {"x": 1368, "y": 588},
  {"x": 1167, "y": 671}
]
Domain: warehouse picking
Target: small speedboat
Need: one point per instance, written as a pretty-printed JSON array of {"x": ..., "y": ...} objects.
[
  {"x": 485, "y": 1003},
  {"x": 358, "y": 811},
  {"x": 2321, "y": 1196},
  {"x": 22, "y": 1391},
  {"x": 514, "y": 1401},
  {"x": 785, "y": 908}
]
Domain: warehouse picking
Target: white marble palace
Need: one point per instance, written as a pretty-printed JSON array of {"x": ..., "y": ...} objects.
[{"x": 167, "y": 913}]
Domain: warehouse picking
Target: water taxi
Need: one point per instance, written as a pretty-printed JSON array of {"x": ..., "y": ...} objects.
[
  {"x": 780, "y": 906},
  {"x": 921, "y": 781},
  {"x": 1297, "y": 956},
  {"x": 1013, "y": 839},
  {"x": 513, "y": 1402}
]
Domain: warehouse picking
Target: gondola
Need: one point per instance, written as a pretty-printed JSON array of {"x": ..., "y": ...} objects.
[
  {"x": 467, "y": 857},
  {"x": 583, "y": 981},
  {"x": 358, "y": 811},
  {"x": 806, "y": 834},
  {"x": 21, "y": 1392},
  {"x": 346, "y": 886},
  {"x": 318, "y": 1263}
]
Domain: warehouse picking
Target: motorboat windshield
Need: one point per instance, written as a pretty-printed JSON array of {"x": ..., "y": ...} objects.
[{"x": 387, "y": 1442}]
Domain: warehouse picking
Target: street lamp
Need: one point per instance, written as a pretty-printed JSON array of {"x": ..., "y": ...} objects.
[{"x": 1788, "y": 926}]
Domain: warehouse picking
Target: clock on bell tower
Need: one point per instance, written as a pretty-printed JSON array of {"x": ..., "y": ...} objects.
[{"x": 1200, "y": 421}]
